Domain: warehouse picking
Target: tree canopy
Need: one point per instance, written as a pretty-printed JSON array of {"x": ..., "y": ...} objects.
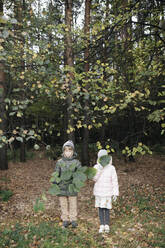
[{"x": 104, "y": 74}]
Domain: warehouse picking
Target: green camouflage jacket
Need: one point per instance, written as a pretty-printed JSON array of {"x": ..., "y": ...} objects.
[{"x": 62, "y": 165}]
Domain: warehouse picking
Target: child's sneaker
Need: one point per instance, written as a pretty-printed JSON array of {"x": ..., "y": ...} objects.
[
  {"x": 106, "y": 228},
  {"x": 101, "y": 230}
]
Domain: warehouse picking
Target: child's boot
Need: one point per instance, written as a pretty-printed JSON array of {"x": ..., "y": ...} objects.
[
  {"x": 74, "y": 224},
  {"x": 65, "y": 223}
]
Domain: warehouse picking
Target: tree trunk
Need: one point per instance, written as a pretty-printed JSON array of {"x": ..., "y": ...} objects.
[
  {"x": 3, "y": 121},
  {"x": 105, "y": 60},
  {"x": 69, "y": 63},
  {"x": 85, "y": 152},
  {"x": 19, "y": 10}
]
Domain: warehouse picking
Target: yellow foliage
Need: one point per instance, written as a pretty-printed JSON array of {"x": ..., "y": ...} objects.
[
  {"x": 89, "y": 127},
  {"x": 22, "y": 76},
  {"x": 34, "y": 56}
]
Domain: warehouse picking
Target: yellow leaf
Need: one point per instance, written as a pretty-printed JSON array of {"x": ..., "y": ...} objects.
[
  {"x": 89, "y": 127},
  {"x": 11, "y": 140},
  {"x": 75, "y": 109},
  {"x": 150, "y": 235},
  {"x": 19, "y": 114},
  {"x": 34, "y": 56}
]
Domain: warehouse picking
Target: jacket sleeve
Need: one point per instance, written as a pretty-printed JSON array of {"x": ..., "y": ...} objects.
[
  {"x": 99, "y": 169},
  {"x": 57, "y": 169},
  {"x": 115, "y": 182},
  {"x": 78, "y": 164}
]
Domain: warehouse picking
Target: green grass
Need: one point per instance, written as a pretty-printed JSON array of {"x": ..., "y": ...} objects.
[
  {"x": 5, "y": 194},
  {"x": 44, "y": 235},
  {"x": 48, "y": 235}
]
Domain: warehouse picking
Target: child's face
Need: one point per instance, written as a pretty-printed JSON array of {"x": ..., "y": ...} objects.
[{"x": 68, "y": 152}]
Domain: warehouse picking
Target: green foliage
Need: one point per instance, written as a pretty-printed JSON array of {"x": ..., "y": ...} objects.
[
  {"x": 75, "y": 178},
  {"x": 54, "y": 190},
  {"x": 140, "y": 149},
  {"x": 66, "y": 175},
  {"x": 104, "y": 160},
  {"x": 46, "y": 235},
  {"x": 39, "y": 205},
  {"x": 120, "y": 79},
  {"x": 5, "y": 194},
  {"x": 90, "y": 172},
  {"x": 109, "y": 148}
]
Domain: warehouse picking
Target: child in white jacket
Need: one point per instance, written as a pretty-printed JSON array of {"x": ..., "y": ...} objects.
[{"x": 105, "y": 189}]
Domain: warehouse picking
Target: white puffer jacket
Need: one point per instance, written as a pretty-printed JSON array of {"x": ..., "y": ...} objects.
[{"x": 106, "y": 181}]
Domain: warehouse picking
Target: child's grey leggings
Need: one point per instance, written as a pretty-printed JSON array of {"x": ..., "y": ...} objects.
[{"x": 104, "y": 216}]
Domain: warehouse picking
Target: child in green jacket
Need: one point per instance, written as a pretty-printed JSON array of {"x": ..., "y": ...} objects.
[{"x": 68, "y": 201}]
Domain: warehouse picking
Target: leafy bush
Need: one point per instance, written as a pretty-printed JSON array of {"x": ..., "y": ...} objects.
[{"x": 139, "y": 149}]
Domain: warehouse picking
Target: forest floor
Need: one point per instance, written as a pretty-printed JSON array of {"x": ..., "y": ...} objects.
[{"x": 137, "y": 218}]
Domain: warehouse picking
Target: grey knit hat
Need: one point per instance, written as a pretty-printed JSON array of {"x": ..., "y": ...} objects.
[{"x": 68, "y": 143}]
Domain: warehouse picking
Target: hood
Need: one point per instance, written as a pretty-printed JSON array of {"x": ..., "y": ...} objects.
[{"x": 71, "y": 144}]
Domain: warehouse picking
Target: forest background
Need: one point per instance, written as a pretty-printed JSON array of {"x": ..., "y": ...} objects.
[
  {"x": 96, "y": 81},
  {"x": 91, "y": 71}
]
